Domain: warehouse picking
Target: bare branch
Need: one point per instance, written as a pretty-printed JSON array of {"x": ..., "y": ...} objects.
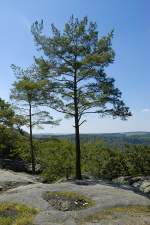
[{"x": 82, "y": 122}]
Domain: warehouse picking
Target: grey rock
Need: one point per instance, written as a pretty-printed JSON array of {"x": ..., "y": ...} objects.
[
  {"x": 10, "y": 179},
  {"x": 17, "y": 165},
  {"x": 69, "y": 222},
  {"x": 145, "y": 186},
  {"x": 140, "y": 183},
  {"x": 137, "y": 184},
  {"x": 104, "y": 195},
  {"x": 122, "y": 180}
]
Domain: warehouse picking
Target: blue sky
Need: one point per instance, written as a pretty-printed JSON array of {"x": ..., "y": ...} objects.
[{"x": 129, "y": 19}]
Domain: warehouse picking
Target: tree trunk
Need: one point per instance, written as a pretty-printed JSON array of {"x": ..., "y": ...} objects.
[
  {"x": 77, "y": 132},
  {"x": 31, "y": 141},
  {"x": 78, "y": 151}
]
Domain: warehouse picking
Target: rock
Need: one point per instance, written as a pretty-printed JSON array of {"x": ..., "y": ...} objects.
[
  {"x": 122, "y": 180},
  {"x": 10, "y": 179},
  {"x": 137, "y": 184},
  {"x": 145, "y": 187},
  {"x": 141, "y": 183},
  {"x": 104, "y": 196},
  {"x": 11, "y": 164},
  {"x": 65, "y": 206},
  {"x": 70, "y": 222},
  {"x": 147, "y": 190},
  {"x": 17, "y": 165},
  {"x": 136, "y": 179}
]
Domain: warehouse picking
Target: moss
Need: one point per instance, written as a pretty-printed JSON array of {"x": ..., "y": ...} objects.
[
  {"x": 16, "y": 214},
  {"x": 68, "y": 201},
  {"x": 111, "y": 213}
]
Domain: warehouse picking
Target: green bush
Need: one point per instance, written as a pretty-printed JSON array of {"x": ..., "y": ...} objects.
[{"x": 56, "y": 158}]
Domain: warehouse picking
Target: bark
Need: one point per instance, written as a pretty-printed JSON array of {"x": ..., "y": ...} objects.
[
  {"x": 78, "y": 152},
  {"x": 77, "y": 132},
  {"x": 31, "y": 141}
]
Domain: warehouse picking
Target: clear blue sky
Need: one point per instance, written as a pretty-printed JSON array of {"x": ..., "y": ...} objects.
[{"x": 131, "y": 21}]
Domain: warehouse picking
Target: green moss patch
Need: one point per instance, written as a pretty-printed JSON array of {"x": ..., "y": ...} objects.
[
  {"x": 68, "y": 201},
  {"x": 116, "y": 212},
  {"x": 16, "y": 214}
]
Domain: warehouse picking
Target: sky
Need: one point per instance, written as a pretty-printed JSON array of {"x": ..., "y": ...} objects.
[{"x": 131, "y": 42}]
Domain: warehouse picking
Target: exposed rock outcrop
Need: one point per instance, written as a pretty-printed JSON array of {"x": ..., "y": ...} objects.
[
  {"x": 17, "y": 165},
  {"x": 30, "y": 192},
  {"x": 140, "y": 183},
  {"x": 10, "y": 179}
]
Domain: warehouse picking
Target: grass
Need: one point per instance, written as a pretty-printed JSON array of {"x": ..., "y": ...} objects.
[
  {"x": 16, "y": 214},
  {"x": 120, "y": 211},
  {"x": 74, "y": 200}
]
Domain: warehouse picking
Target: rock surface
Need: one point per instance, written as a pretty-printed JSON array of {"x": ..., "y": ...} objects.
[
  {"x": 105, "y": 196},
  {"x": 140, "y": 183},
  {"x": 17, "y": 165},
  {"x": 9, "y": 179},
  {"x": 31, "y": 193}
]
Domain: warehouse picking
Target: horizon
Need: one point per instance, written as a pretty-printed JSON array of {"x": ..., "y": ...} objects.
[
  {"x": 90, "y": 133},
  {"x": 130, "y": 20}
]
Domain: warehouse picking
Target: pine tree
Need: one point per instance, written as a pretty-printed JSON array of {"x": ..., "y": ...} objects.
[
  {"x": 27, "y": 92},
  {"x": 76, "y": 60}
]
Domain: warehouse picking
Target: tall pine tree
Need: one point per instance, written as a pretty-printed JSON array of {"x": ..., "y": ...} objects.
[{"x": 76, "y": 60}]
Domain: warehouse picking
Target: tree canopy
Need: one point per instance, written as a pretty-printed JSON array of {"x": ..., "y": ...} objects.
[
  {"x": 75, "y": 60},
  {"x": 27, "y": 92}
]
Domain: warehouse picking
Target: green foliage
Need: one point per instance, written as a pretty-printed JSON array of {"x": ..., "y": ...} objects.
[
  {"x": 102, "y": 161},
  {"x": 9, "y": 140},
  {"x": 137, "y": 159},
  {"x": 75, "y": 61},
  {"x": 56, "y": 158},
  {"x": 15, "y": 145},
  {"x": 13, "y": 141},
  {"x": 9, "y": 127},
  {"x": 27, "y": 93},
  {"x": 6, "y": 114},
  {"x": 21, "y": 148}
]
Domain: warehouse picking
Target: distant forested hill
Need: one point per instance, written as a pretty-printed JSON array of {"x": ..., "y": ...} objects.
[{"x": 113, "y": 139}]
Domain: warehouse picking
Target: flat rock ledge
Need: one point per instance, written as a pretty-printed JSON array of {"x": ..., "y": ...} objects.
[
  {"x": 10, "y": 179},
  {"x": 104, "y": 195},
  {"x": 26, "y": 189}
]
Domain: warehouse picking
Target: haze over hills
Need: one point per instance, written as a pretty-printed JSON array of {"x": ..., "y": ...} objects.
[{"x": 138, "y": 137}]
